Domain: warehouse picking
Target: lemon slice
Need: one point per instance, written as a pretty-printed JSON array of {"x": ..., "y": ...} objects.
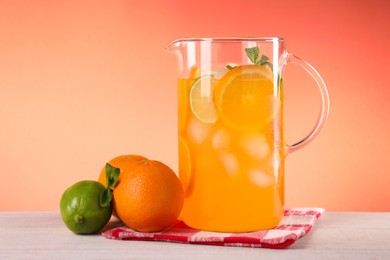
[
  {"x": 244, "y": 97},
  {"x": 202, "y": 99}
]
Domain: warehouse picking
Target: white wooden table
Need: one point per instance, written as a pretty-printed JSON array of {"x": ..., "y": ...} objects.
[{"x": 42, "y": 235}]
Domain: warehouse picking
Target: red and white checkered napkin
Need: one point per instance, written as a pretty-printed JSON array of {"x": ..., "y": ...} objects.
[{"x": 295, "y": 224}]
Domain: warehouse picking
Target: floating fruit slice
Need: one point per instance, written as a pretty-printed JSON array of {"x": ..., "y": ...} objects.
[
  {"x": 184, "y": 106},
  {"x": 184, "y": 89},
  {"x": 194, "y": 73},
  {"x": 185, "y": 166},
  {"x": 244, "y": 97},
  {"x": 202, "y": 99}
]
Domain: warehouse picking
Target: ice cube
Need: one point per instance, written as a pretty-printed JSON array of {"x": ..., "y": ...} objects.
[
  {"x": 230, "y": 163},
  {"x": 255, "y": 145},
  {"x": 197, "y": 131},
  {"x": 221, "y": 139},
  {"x": 260, "y": 178}
]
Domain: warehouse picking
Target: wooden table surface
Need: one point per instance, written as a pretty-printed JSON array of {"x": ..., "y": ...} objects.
[{"x": 336, "y": 235}]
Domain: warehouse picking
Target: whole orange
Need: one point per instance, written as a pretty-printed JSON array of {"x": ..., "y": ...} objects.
[
  {"x": 124, "y": 162},
  {"x": 148, "y": 196}
]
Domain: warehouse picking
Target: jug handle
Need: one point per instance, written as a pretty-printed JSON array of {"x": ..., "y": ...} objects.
[{"x": 324, "y": 110}]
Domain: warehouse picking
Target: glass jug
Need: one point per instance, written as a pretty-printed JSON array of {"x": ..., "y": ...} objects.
[{"x": 230, "y": 130}]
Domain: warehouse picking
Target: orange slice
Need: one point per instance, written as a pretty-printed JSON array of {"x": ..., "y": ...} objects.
[
  {"x": 185, "y": 166},
  {"x": 244, "y": 97},
  {"x": 184, "y": 89},
  {"x": 202, "y": 99},
  {"x": 194, "y": 73}
]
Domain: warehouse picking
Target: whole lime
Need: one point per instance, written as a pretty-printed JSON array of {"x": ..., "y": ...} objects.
[{"x": 81, "y": 207}]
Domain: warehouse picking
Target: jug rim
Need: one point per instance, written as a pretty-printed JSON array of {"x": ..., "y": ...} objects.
[
  {"x": 223, "y": 39},
  {"x": 228, "y": 39}
]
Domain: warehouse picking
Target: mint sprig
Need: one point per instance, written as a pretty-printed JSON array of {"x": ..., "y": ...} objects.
[
  {"x": 112, "y": 175},
  {"x": 230, "y": 67},
  {"x": 105, "y": 198},
  {"x": 253, "y": 55}
]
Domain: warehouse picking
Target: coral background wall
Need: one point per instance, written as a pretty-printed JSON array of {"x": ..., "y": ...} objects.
[{"x": 82, "y": 82}]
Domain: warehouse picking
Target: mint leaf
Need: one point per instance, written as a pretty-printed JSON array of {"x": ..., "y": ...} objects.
[
  {"x": 280, "y": 80},
  {"x": 252, "y": 53},
  {"x": 230, "y": 67},
  {"x": 264, "y": 61},
  {"x": 112, "y": 175},
  {"x": 269, "y": 64},
  {"x": 264, "y": 58},
  {"x": 105, "y": 198}
]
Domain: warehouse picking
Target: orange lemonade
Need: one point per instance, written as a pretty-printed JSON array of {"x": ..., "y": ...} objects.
[{"x": 231, "y": 149}]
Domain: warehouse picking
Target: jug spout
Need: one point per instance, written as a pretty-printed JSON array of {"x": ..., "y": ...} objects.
[
  {"x": 185, "y": 54},
  {"x": 173, "y": 46},
  {"x": 187, "y": 45}
]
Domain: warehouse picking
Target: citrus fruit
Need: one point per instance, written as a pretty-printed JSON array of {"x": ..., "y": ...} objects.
[
  {"x": 202, "y": 99},
  {"x": 184, "y": 89},
  {"x": 183, "y": 103},
  {"x": 148, "y": 196},
  {"x": 125, "y": 162},
  {"x": 194, "y": 73},
  {"x": 81, "y": 208},
  {"x": 244, "y": 97},
  {"x": 185, "y": 166}
]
